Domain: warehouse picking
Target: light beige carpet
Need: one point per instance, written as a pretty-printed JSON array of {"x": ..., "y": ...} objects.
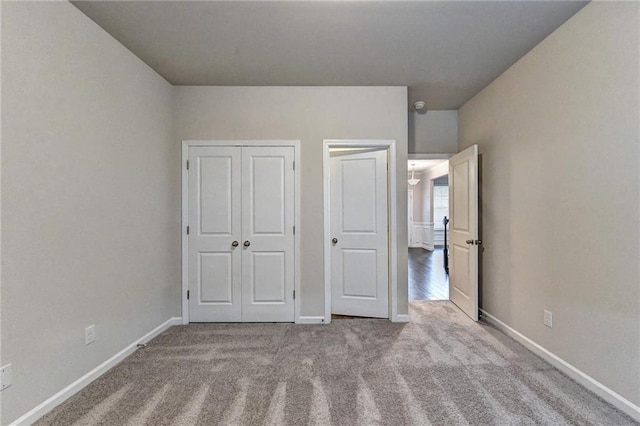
[{"x": 441, "y": 369}]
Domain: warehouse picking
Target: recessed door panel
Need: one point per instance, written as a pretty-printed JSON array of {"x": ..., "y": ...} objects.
[
  {"x": 215, "y": 193},
  {"x": 216, "y": 278},
  {"x": 267, "y": 199},
  {"x": 358, "y": 272},
  {"x": 359, "y": 232},
  {"x": 460, "y": 275},
  {"x": 460, "y": 212},
  {"x": 268, "y": 278},
  {"x": 358, "y": 195}
]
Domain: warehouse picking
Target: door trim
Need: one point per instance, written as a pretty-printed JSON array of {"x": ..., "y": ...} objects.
[
  {"x": 185, "y": 212},
  {"x": 390, "y": 146}
]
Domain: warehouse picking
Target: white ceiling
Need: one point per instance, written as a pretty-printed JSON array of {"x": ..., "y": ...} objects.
[{"x": 444, "y": 51}]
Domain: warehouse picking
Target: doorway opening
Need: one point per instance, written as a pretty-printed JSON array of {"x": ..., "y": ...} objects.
[{"x": 428, "y": 213}]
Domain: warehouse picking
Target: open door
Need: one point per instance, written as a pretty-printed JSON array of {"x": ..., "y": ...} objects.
[
  {"x": 463, "y": 234},
  {"x": 359, "y": 230}
]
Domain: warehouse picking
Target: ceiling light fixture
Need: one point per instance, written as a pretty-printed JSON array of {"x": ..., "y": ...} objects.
[
  {"x": 419, "y": 106},
  {"x": 413, "y": 181}
]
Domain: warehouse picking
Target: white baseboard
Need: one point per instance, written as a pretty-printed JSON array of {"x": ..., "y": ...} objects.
[
  {"x": 310, "y": 320},
  {"x": 401, "y": 318},
  {"x": 429, "y": 247},
  {"x": 577, "y": 375},
  {"x": 66, "y": 393}
]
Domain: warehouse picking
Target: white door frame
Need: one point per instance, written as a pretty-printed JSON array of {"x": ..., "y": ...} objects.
[
  {"x": 390, "y": 146},
  {"x": 409, "y": 216},
  {"x": 185, "y": 212}
]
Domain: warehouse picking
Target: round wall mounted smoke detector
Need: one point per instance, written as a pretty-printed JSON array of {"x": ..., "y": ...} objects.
[{"x": 419, "y": 105}]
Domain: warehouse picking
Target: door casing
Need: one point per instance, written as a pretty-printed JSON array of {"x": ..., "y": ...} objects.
[
  {"x": 185, "y": 211},
  {"x": 390, "y": 146}
]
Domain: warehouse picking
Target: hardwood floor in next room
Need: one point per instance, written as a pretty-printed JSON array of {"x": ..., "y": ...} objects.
[{"x": 427, "y": 278}]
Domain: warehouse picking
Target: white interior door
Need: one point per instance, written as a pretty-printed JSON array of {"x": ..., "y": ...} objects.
[
  {"x": 214, "y": 224},
  {"x": 241, "y": 241},
  {"x": 359, "y": 232},
  {"x": 463, "y": 231},
  {"x": 267, "y": 234}
]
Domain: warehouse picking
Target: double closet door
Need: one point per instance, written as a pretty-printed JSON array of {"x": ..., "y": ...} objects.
[{"x": 241, "y": 235}]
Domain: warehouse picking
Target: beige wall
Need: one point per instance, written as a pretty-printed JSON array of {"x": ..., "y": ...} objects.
[
  {"x": 308, "y": 114},
  {"x": 435, "y": 132},
  {"x": 559, "y": 137},
  {"x": 90, "y": 199}
]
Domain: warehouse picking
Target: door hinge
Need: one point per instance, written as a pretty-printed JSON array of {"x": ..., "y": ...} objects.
[
  {"x": 187, "y": 229},
  {"x": 294, "y": 295},
  {"x": 187, "y": 164},
  {"x": 294, "y": 165},
  {"x": 294, "y": 230},
  {"x": 188, "y": 294}
]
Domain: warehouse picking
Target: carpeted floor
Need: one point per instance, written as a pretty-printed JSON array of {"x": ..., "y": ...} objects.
[{"x": 441, "y": 369}]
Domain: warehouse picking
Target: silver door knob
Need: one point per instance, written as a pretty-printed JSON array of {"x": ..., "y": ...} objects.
[
  {"x": 334, "y": 241},
  {"x": 234, "y": 244},
  {"x": 247, "y": 243}
]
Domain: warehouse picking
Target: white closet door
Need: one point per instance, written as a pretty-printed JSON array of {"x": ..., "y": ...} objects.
[
  {"x": 359, "y": 230},
  {"x": 214, "y": 224},
  {"x": 267, "y": 234}
]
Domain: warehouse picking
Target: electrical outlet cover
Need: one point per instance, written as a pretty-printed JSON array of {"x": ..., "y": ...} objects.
[
  {"x": 5, "y": 377},
  {"x": 548, "y": 319},
  {"x": 90, "y": 334}
]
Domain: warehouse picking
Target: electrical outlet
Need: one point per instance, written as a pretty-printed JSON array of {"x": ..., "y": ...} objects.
[
  {"x": 548, "y": 318},
  {"x": 5, "y": 377},
  {"x": 89, "y": 334}
]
